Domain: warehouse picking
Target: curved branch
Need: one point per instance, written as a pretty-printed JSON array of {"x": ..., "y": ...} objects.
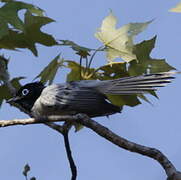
[
  {"x": 169, "y": 168},
  {"x": 153, "y": 153}
]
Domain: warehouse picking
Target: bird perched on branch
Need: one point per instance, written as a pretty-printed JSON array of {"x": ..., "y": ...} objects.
[{"x": 85, "y": 96}]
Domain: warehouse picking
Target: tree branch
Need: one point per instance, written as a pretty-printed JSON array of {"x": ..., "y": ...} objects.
[
  {"x": 69, "y": 156},
  {"x": 153, "y": 153}
]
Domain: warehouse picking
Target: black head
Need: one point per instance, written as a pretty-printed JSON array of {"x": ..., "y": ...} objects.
[{"x": 27, "y": 95}]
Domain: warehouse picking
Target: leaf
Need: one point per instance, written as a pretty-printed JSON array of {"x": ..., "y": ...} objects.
[
  {"x": 113, "y": 71},
  {"x": 9, "y": 15},
  {"x": 78, "y": 73},
  {"x": 6, "y": 0},
  {"x": 4, "y": 75},
  {"x": 177, "y": 8},
  {"x": 144, "y": 63},
  {"x": 80, "y": 50},
  {"x": 49, "y": 72},
  {"x": 119, "y": 42},
  {"x": 26, "y": 170},
  {"x": 4, "y": 91},
  {"x": 121, "y": 100},
  {"x": 31, "y": 35}
]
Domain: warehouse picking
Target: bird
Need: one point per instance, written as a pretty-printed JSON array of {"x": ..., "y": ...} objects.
[{"x": 85, "y": 96}]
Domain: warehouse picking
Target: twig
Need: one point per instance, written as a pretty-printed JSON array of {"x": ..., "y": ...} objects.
[
  {"x": 64, "y": 130},
  {"x": 69, "y": 155},
  {"x": 92, "y": 57}
]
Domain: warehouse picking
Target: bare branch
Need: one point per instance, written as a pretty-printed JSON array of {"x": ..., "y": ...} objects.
[
  {"x": 153, "y": 153},
  {"x": 5, "y": 123},
  {"x": 69, "y": 155},
  {"x": 169, "y": 168}
]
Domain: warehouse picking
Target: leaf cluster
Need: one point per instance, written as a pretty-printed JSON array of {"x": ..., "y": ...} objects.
[
  {"x": 124, "y": 57},
  {"x": 23, "y": 31}
]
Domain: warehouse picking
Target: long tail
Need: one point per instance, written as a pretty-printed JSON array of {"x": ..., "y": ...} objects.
[{"x": 136, "y": 84}]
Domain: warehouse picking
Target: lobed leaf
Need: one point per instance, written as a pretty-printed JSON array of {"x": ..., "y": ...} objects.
[
  {"x": 119, "y": 42},
  {"x": 144, "y": 63},
  {"x": 31, "y": 35},
  {"x": 49, "y": 72},
  {"x": 9, "y": 15}
]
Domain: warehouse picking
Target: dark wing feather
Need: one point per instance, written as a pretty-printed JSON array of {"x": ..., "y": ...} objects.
[{"x": 68, "y": 99}]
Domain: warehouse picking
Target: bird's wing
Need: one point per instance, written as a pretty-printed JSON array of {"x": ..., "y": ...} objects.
[
  {"x": 133, "y": 84},
  {"x": 71, "y": 99}
]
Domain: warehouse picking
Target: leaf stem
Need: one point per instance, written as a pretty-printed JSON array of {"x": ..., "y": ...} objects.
[
  {"x": 92, "y": 57},
  {"x": 80, "y": 62}
]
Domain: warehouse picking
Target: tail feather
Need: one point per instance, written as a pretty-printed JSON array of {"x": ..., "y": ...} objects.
[{"x": 136, "y": 84}]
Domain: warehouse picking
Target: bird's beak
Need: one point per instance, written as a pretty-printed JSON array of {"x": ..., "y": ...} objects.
[{"x": 13, "y": 100}]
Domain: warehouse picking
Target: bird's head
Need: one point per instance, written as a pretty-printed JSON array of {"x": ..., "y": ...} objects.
[{"x": 27, "y": 95}]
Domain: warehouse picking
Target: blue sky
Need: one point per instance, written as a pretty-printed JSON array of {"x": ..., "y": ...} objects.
[{"x": 155, "y": 126}]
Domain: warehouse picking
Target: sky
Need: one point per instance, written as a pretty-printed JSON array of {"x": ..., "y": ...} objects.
[{"x": 156, "y": 125}]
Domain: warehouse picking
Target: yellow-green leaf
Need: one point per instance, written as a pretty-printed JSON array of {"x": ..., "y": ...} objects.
[
  {"x": 177, "y": 8},
  {"x": 119, "y": 42}
]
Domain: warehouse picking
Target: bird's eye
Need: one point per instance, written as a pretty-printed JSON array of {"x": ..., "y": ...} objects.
[{"x": 25, "y": 92}]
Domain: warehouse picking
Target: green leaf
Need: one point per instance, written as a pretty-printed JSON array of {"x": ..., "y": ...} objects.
[
  {"x": 4, "y": 91},
  {"x": 113, "y": 71},
  {"x": 31, "y": 35},
  {"x": 119, "y": 42},
  {"x": 144, "y": 63},
  {"x": 80, "y": 50},
  {"x": 26, "y": 170},
  {"x": 49, "y": 72},
  {"x": 6, "y": 0},
  {"x": 121, "y": 100},
  {"x": 4, "y": 75},
  {"x": 78, "y": 73},
  {"x": 9, "y": 15},
  {"x": 74, "y": 74},
  {"x": 177, "y": 8}
]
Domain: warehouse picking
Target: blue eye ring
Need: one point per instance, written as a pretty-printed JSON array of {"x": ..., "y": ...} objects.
[{"x": 25, "y": 92}]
